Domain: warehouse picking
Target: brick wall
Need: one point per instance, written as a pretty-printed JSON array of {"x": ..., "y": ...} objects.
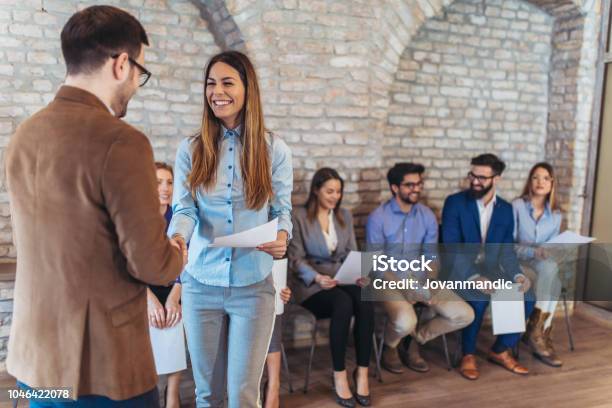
[
  {"x": 352, "y": 84},
  {"x": 31, "y": 70},
  {"x": 474, "y": 79}
]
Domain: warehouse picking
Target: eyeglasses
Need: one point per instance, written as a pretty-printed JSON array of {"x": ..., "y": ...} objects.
[
  {"x": 145, "y": 74},
  {"x": 412, "y": 186},
  {"x": 481, "y": 179}
]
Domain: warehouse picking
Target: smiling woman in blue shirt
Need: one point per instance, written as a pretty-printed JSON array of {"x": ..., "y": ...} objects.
[
  {"x": 232, "y": 176},
  {"x": 537, "y": 219}
]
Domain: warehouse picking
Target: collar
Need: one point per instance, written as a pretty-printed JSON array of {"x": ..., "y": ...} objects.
[
  {"x": 397, "y": 210},
  {"x": 231, "y": 132},
  {"x": 481, "y": 205},
  {"x": 547, "y": 210},
  {"x": 78, "y": 95}
]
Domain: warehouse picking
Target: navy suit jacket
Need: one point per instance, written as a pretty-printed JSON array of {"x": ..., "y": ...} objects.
[{"x": 461, "y": 225}]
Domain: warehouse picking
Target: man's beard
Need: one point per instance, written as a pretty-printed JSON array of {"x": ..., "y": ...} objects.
[
  {"x": 407, "y": 200},
  {"x": 478, "y": 194},
  {"x": 122, "y": 100}
]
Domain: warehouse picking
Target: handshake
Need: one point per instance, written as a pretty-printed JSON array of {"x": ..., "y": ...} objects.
[{"x": 179, "y": 243}]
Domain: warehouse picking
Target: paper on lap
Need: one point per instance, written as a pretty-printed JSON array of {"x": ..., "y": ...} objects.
[{"x": 508, "y": 311}]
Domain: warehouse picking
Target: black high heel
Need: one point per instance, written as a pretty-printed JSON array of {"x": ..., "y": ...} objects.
[
  {"x": 343, "y": 402},
  {"x": 363, "y": 400}
]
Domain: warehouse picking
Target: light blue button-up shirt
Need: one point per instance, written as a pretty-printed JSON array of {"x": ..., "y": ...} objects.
[
  {"x": 222, "y": 211},
  {"x": 388, "y": 224},
  {"x": 528, "y": 231}
]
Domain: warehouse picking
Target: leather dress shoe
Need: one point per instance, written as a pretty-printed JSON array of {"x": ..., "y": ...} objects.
[
  {"x": 469, "y": 368},
  {"x": 506, "y": 360}
]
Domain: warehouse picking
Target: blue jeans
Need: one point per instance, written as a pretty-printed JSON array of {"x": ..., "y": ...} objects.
[
  {"x": 149, "y": 399},
  {"x": 503, "y": 341},
  {"x": 228, "y": 333}
]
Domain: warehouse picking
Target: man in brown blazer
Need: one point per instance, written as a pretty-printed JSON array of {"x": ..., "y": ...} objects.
[{"x": 86, "y": 223}]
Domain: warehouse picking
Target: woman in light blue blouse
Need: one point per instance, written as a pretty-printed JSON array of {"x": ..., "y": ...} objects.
[
  {"x": 232, "y": 176},
  {"x": 537, "y": 219}
]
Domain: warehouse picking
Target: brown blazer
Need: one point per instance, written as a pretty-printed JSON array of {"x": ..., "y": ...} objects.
[
  {"x": 89, "y": 236},
  {"x": 308, "y": 253}
]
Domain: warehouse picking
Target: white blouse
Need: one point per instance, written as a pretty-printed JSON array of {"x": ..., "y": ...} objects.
[{"x": 331, "y": 239}]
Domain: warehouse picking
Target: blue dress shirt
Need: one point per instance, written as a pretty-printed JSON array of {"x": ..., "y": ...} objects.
[
  {"x": 222, "y": 210},
  {"x": 388, "y": 224},
  {"x": 528, "y": 231}
]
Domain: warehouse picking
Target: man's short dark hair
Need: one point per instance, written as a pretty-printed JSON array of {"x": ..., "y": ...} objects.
[
  {"x": 96, "y": 33},
  {"x": 490, "y": 160},
  {"x": 396, "y": 174}
]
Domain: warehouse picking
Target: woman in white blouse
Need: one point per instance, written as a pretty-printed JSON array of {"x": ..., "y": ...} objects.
[{"x": 323, "y": 236}]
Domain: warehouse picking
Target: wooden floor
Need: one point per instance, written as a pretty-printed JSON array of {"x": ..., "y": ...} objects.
[{"x": 584, "y": 381}]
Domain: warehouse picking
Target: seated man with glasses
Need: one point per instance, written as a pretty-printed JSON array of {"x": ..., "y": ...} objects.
[
  {"x": 405, "y": 227},
  {"x": 481, "y": 225}
]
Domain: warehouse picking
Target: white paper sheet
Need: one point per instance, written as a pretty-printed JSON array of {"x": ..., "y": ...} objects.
[
  {"x": 249, "y": 238},
  {"x": 350, "y": 270},
  {"x": 169, "y": 349},
  {"x": 279, "y": 276},
  {"x": 570, "y": 237},
  {"x": 508, "y": 311}
]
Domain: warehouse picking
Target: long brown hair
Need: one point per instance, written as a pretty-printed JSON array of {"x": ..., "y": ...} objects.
[
  {"x": 552, "y": 196},
  {"x": 320, "y": 177},
  {"x": 255, "y": 160}
]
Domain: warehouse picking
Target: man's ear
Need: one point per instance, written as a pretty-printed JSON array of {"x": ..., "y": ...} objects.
[
  {"x": 394, "y": 189},
  {"x": 121, "y": 66}
]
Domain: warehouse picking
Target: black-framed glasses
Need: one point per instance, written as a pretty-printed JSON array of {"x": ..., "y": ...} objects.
[
  {"x": 411, "y": 186},
  {"x": 481, "y": 179},
  {"x": 145, "y": 74}
]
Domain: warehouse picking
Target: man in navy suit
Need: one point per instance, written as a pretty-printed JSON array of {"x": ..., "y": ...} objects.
[{"x": 484, "y": 224}]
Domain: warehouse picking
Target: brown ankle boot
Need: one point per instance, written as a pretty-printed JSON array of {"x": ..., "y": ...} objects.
[
  {"x": 411, "y": 356},
  {"x": 536, "y": 340},
  {"x": 553, "y": 360},
  {"x": 390, "y": 360}
]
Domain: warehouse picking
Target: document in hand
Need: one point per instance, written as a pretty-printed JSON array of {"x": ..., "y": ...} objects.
[
  {"x": 350, "y": 270},
  {"x": 169, "y": 345},
  {"x": 279, "y": 276},
  {"x": 570, "y": 237},
  {"x": 249, "y": 238},
  {"x": 508, "y": 311}
]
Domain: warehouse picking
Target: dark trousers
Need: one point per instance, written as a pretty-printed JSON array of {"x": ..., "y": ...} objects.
[
  {"x": 341, "y": 304},
  {"x": 149, "y": 399},
  {"x": 503, "y": 341}
]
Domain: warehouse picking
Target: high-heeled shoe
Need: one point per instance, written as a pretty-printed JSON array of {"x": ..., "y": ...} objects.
[
  {"x": 363, "y": 400},
  {"x": 343, "y": 402}
]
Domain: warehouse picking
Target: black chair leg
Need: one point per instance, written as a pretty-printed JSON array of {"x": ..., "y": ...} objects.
[
  {"x": 449, "y": 364},
  {"x": 310, "y": 358},
  {"x": 567, "y": 319},
  {"x": 286, "y": 366}
]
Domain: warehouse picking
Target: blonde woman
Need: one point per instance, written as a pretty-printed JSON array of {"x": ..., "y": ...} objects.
[
  {"x": 232, "y": 176},
  {"x": 537, "y": 219}
]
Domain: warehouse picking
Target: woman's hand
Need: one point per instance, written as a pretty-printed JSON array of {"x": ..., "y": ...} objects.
[
  {"x": 541, "y": 253},
  {"x": 277, "y": 248},
  {"x": 363, "y": 282},
  {"x": 524, "y": 282},
  {"x": 325, "y": 281},
  {"x": 285, "y": 295},
  {"x": 173, "y": 306},
  {"x": 155, "y": 311}
]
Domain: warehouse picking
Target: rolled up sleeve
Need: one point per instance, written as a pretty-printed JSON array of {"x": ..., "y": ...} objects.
[
  {"x": 184, "y": 208},
  {"x": 282, "y": 185}
]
